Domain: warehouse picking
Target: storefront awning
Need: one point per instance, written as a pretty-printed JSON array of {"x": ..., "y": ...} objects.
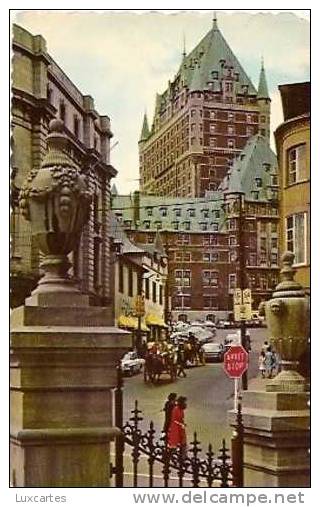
[
  {"x": 131, "y": 323},
  {"x": 155, "y": 320}
]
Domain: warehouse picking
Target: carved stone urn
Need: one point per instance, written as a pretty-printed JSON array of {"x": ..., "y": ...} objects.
[
  {"x": 56, "y": 201},
  {"x": 287, "y": 316}
]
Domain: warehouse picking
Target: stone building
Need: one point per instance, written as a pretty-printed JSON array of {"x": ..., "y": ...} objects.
[
  {"x": 293, "y": 149},
  {"x": 201, "y": 236},
  {"x": 201, "y": 121},
  {"x": 138, "y": 270},
  {"x": 40, "y": 92}
]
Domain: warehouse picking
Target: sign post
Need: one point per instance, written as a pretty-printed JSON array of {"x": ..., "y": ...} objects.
[{"x": 235, "y": 363}]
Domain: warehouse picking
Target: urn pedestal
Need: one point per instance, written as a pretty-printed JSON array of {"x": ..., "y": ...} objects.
[
  {"x": 63, "y": 352},
  {"x": 276, "y": 418}
]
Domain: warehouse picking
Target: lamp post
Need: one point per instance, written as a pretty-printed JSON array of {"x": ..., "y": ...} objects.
[{"x": 238, "y": 200}]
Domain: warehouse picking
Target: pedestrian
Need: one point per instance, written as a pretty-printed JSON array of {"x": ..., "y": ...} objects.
[
  {"x": 177, "y": 429},
  {"x": 269, "y": 362},
  {"x": 262, "y": 363},
  {"x": 274, "y": 364},
  {"x": 168, "y": 408},
  {"x": 181, "y": 361},
  {"x": 265, "y": 346},
  {"x": 248, "y": 341}
]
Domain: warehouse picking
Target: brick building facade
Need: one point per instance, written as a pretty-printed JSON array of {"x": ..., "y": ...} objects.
[
  {"x": 201, "y": 235},
  {"x": 202, "y": 121},
  {"x": 40, "y": 92}
]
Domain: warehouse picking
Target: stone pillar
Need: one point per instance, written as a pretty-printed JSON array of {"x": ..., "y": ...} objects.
[
  {"x": 276, "y": 417},
  {"x": 63, "y": 352}
]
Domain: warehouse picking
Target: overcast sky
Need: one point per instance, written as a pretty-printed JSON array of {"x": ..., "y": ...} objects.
[{"x": 123, "y": 58}]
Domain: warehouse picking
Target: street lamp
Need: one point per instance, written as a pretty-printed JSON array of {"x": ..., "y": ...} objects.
[{"x": 239, "y": 199}]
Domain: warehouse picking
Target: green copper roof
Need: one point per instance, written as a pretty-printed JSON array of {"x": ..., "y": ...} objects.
[
  {"x": 145, "y": 132},
  {"x": 208, "y": 53},
  {"x": 263, "y": 92},
  {"x": 251, "y": 173}
]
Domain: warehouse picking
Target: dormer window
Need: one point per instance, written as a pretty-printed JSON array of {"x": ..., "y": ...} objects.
[
  {"x": 187, "y": 226},
  {"x": 177, "y": 212},
  {"x": 127, "y": 223},
  {"x": 215, "y": 74},
  {"x": 146, "y": 224},
  {"x": 230, "y": 143},
  {"x": 192, "y": 212},
  {"x": 203, "y": 226},
  {"x": 149, "y": 212},
  {"x": 205, "y": 213},
  {"x": 214, "y": 226},
  {"x": 230, "y": 116},
  {"x": 175, "y": 225},
  {"x": 158, "y": 225},
  {"x": 258, "y": 182},
  {"x": 255, "y": 194},
  {"x": 163, "y": 212}
]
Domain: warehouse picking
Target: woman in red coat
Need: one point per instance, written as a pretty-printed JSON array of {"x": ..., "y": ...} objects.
[{"x": 177, "y": 433}]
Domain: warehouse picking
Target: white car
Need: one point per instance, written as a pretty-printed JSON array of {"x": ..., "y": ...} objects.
[
  {"x": 213, "y": 351},
  {"x": 131, "y": 363}
]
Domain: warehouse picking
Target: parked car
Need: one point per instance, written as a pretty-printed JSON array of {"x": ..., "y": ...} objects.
[
  {"x": 213, "y": 352},
  {"x": 232, "y": 339},
  {"x": 131, "y": 363}
]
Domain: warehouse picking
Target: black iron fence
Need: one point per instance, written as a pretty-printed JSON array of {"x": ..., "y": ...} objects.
[{"x": 186, "y": 465}]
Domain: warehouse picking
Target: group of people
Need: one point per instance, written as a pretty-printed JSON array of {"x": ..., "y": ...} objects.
[
  {"x": 174, "y": 427},
  {"x": 268, "y": 361}
]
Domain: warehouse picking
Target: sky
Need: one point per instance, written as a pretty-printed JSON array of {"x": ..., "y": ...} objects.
[{"x": 123, "y": 58}]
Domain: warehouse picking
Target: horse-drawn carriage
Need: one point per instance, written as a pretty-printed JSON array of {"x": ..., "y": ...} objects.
[{"x": 160, "y": 359}]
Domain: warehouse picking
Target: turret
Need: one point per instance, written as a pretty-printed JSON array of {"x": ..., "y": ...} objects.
[
  {"x": 264, "y": 103},
  {"x": 145, "y": 132}
]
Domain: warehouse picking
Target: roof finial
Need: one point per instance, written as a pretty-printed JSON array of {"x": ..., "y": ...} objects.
[{"x": 214, "y": 21}]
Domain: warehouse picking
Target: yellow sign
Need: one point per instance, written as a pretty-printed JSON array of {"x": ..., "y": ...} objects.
[
  {"x": 139, "y": 307},
  {"x": 242, "y": 304}
]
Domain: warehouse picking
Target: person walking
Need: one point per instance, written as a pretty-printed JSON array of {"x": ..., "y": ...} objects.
[
  {"x": 262, "y": 363},
  {"x": 168, "y": 408},
  {"x": 181, "y": 361},
  {"x": 269, "y": 362},
  {"x": 177, "y": 429}
]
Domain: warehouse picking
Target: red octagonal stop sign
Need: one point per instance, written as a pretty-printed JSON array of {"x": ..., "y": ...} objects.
[{"x": 236, "y": 361}]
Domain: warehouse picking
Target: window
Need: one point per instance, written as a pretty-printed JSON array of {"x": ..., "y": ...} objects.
[
  {"x": 252, "y": 281},
  {"x": 212, "y": 142},
  {"x": 274, "y": 227},
  {"x": 146, "y": 224},
  {"x": 163, "y": 212},
  {"x": 183, "y": 277},
  {"x": 230, "y": 129},
  {"x": 192, "y": 212},
  {"x": 232, "y": 281},
  {"x": 130, "y": 282},
  {"x": 203, "y": 226},
  {"x": 263, "y": 244},
  {"x": 296, "y": 237},
  {"x": 263, "y": 227},
  {"x": 158, "y": 225},
  {"x": 181, "y": 256},
  {"x": 127, "y": 223},
  {"x": 262, "y": 118},
  {"x": 160, "y": 294},
  {"x": 120, "y": 285},
  {"x": 193, "y": 113},
  {"x": 274, "y": 242},
  {"x": 147, "y": 288},
  {"x": 62, "y": 111},
  {"x": 212, "y": 115},
  {"x": 178, "y": 212},
  {"x": 210, "y": 256},
  {"x": 205, "y": 213},
  {"x": 210, "y": 302},
  {"x": 230, "y": 116},
  {"x": 212, "y": 129},
  {"x": 258, "y": 182},
  {"x": 274, "y": 258},
  {"x": 296, "y": 165},
  {"x": 263, "y": 283},
  {"x": 232, "y": 256},
  {"x": 232, "y": 240},
  {"x": 49, "y": 94},
  {"x": 183, "y": 239},
  {"x": 252, "y": 259},
  {"x": 76, "y": 126},
  {"x": 175, "y": 225},
  {"x": 154, "y": 292},
  {"x": 187, "y": 226},
  {"x": 230, "y": 143},
  {"x": 181, "y": 301},
  {"x": 249, "y": 118},
  {"x": 209, "y": 278},
  {"x": 228, "y": 87},
  {"x": 149, "y": 212}
]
